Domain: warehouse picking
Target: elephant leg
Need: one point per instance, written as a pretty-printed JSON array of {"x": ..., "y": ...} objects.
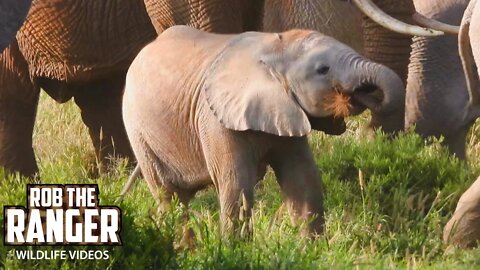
[
  {"x": 100, "y": 103},
  {"x": 158, "y": 176},
  {"x": 233, "y": 166},
  {"x": 188, "y": 236},
  {"x": 18, "y": 105},
  {"x": 236, "y": 201},
  {"x": 235, "y": 179},
  {"x": 456, "y": 143},
  {"x": 253, "y": 15},
  {"x": 300, "y": 182}
]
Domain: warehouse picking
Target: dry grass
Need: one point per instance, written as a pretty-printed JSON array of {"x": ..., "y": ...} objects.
[
  {"x": 338, "y": 103},
  {"x": 58, "y": 130},
  {"x": 61, "y": 141}
]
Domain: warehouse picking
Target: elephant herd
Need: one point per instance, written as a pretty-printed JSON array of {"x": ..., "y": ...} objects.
[{"x": 243, "y": 100}]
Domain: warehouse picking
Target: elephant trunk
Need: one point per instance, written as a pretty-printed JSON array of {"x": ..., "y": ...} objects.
[{"x": 380, "y": 89}]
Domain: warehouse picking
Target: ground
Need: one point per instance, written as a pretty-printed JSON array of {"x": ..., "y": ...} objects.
[{"x": 386, "y": 205}]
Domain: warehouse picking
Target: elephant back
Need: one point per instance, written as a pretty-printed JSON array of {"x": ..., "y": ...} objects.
[
  {"x": 76, "y": 40},
  {"x": 217, "y": 16}
]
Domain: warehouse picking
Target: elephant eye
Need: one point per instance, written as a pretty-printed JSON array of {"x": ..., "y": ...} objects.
[{"x": 322, "y": 70}]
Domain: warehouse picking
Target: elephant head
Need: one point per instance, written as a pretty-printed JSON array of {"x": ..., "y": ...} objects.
[
  {"x": 12, "y": 15},
  {"x": 275, "y": 82}
]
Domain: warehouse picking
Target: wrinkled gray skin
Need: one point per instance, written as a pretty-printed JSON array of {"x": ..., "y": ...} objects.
[
  {"x": 325, "y": 16},
  {"x": 217, "y": 109},
  {"x": 12, "y": 15},
  {"x": 437, "y": 95}
]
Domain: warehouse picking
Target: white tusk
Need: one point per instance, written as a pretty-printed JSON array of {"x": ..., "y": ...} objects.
[
  {"x": 377, "y": 15},
  {"x": 434, "y": 24}
]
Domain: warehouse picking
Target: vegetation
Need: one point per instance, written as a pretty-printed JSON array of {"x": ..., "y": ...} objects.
[{"x": 386, "y": 205}]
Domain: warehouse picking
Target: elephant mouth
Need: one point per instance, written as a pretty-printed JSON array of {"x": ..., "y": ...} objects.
[
  {"x": 338, "y": 103},
  {"x": 366, "y": 95},
  {"x": 342, "y": 103}
]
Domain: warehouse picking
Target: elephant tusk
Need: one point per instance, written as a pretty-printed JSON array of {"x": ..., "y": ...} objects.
[
  {"x": 377, "y": 15},
  {"x": 434, "y": 24}
]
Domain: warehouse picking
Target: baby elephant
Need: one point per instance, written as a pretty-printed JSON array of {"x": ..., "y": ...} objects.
[{"x": 202, "y": 109}]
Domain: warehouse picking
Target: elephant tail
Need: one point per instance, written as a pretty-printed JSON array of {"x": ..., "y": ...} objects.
[{"x": 131, "y": 180}]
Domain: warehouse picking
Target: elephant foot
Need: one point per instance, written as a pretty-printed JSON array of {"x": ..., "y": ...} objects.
[
  {"x": 463, "y": 229},
  {"x": 188, "y": 239},
  {"x": 18, "y": 105},
  {"x": 100, "y": 103}
]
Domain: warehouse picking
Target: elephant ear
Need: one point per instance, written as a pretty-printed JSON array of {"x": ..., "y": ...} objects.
[{"x": 245, "y": 91}]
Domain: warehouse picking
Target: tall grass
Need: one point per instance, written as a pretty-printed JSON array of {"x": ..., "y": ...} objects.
[{"x": 386, "y": 204}]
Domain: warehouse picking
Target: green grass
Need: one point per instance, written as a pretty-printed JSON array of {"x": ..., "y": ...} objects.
[{"x": 393, "y": 218}]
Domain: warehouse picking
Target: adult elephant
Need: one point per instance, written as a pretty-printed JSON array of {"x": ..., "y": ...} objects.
[
  {"x": 82, "y": 49},
  {"x": 12, "y": 15},
  {"x": 79, "y": 49},
  {"x": 437, "y": 96}
]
